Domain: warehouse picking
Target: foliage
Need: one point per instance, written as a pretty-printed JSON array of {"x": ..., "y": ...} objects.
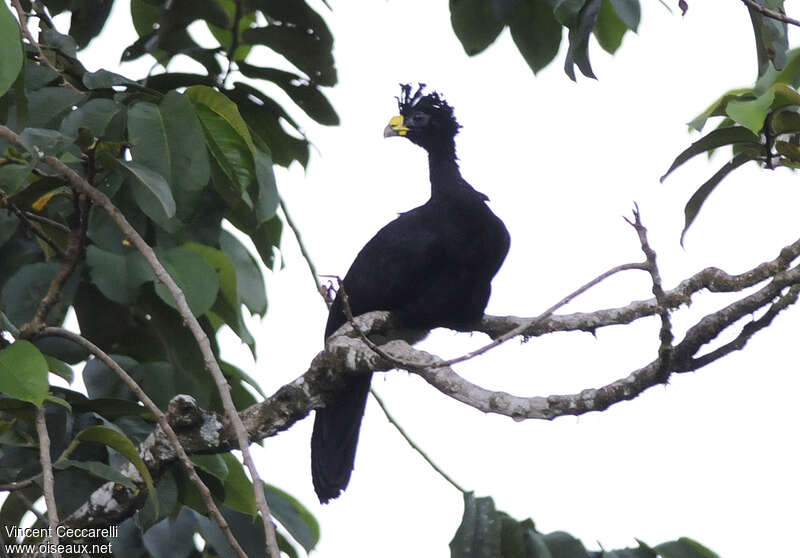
[
  {"x": 537, "y": 25},
  {"x": 179, "y": 155},
  {"x": 486, "y": 532},
  {"x": 761, "y": 123}
]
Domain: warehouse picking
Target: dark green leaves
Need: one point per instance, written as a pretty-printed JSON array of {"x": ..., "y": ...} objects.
[
  {"x": 487, "y": 533},
  {"x": 578, "y": 52},
  {"x": 23, "y": 372},
  {"x": 118, "y": 276},
  {"x": 698, "y": 199},
  {"x": 294, "y": 517},
  {"x": 307, "y": 96},
  {"x": 713, "y": 140},
  {"x": 536, "y": 33},
  {"x": 307, "y": 51},
  {"x": 10, "y": 49},
  {"x": 684, "y": 547},
  {"x": 536, "y": 27},
  {"x": 194, "y": 276},
  {"x": 475, "y": 23}
]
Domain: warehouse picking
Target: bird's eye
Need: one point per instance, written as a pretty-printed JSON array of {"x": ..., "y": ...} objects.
[{"x": 420, "y": 119}]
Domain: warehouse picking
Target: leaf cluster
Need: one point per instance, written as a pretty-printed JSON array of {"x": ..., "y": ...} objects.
[
  {"x": 485, "y": 532},
  {"x": 188, "y": 160},
  {"x": 536, "y": 26}
]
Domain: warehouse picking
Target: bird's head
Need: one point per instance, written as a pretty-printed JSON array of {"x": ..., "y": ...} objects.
[{"x": 426, "y": 120}]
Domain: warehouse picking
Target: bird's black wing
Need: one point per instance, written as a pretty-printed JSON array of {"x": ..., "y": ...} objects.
[{"x": 384, "y": 276}]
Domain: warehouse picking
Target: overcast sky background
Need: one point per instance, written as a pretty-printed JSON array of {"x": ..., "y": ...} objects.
[{"x": 712, "y": 456}]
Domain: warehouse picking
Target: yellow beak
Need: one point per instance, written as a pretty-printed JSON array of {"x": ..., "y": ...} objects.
[{"x": 395, "y": 127}]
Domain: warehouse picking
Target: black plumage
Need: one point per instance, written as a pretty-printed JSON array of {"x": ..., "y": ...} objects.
[{"x": 432, "y": 267}]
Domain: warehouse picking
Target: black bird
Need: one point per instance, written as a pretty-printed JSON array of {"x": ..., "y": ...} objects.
[{"x": 431, "y": 267}]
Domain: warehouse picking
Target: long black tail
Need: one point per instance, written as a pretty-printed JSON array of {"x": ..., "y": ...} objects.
[{"x": 335, "y": 437}]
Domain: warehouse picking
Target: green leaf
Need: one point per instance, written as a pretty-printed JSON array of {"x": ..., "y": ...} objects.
[
  {"x": 47, "y": 105},
  {"x": 712, "y": 140},
  {"x": 230, "y": 143},
  {"x": 212, "y": 464},
  {"x": 578, "y": 51},
  {"x": 536, "y": 33},
  {"x": 567, "y": 11},
  {"x": 699, "y": 197},
  {"x": 223, "y": 106},
  {"x": 266, "y": 197},
  {"x": 224, "y": 36},
  {"x": 148, "y": 139},
  {"x": 266, "y": 120},
  {"x": 88, "y": 19},
  {"x": 479, "y": 533},
  {"x": 23, "y": 372},
  {"x": 609, "y": 28},
  {"x": 122, "y": 444},
  {"x": 563, "y": 544},
  {"x": 187, "y": 144},
  {"x": 475, "y": 23},
  {"x": 785, "y": 96},
  {"x": 684, "y": 547},
  {"x": 238, "y": 488},
  {"x": 45, "y": 141},
  {"x": 103, "y": 79},
  {"x": 305, "y": 50},
  {"x": 15, "y": 176},
  {"x": 194, "y": 276},
  {"x": 228, "y": 306},
  {"x": 267, "y": 239},
  {"x": 147, "y": 180},
  {"x": 751, "y": 114},
  {"x": 717, "y": 108},
  {"x": 307, "y": 95},
  {"x": 59, "y": 368},
  {"x": 232, "y": 371},
  {"x": 95, "y": 115},
  {"x": 97, "y": 469},
  {"x": 629, "y": 11},
  {"x": 249, "y": 281},
  {"x": 8, "y": 225},
  {"x": 25, "y": 289},
  {"x": 118, "y": 276},
  {"x": 294, "y": 517},
  {"x": 10, "y": 49}
]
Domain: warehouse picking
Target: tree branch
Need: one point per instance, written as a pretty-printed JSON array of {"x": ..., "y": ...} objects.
[
  {"x": 177, "y": 409},
  {"x": 47, "y": 479},
  {"x": 772, "y": 14}
]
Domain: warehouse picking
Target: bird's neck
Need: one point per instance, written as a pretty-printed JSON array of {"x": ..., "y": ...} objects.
[{"x": 444, "y": 172}]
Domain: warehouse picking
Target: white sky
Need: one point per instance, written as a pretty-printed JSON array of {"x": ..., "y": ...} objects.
[{"x": 710, "y": 456}]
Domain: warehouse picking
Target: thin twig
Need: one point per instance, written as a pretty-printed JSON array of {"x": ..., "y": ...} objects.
[
  {"x": 532, "y": 322},
  {"x": 75, "y": 242},
  {"x": 412, "y": 443},
  {"x": 5, "y": 201},
  {"x": 188, "y": 467},
  {"x": 23, "y": 25},
  {"x": 314, "y": 276},
  {"x": 665, "y": 333},
  {"x": 237, "y": 17},
  {"x": 30, "y": 506},
  {"x": 772, "y": 14},
  {"x": 47, "y": 480},
  {"x": 44, "y": 220},
  {"x": 348, "y": 312}
]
